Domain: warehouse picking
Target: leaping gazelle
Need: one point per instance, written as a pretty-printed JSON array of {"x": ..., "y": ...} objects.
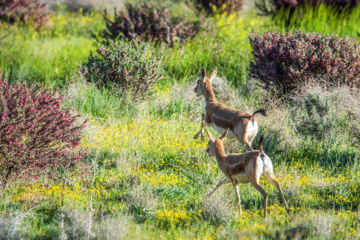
[
  {"x": 243, "y": 168},
  {"x": 241, "y": 125}
]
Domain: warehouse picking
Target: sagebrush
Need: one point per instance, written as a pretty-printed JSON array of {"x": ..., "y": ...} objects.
[{"x": 134, "y": 69}]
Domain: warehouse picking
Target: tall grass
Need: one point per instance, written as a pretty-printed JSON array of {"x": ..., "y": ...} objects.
[{"x": 322, "y": 19}]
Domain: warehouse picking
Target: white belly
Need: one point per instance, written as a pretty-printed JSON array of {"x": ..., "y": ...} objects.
[
  {"x": 221, "y": 130},
  {"x": 241, "y": 178}
]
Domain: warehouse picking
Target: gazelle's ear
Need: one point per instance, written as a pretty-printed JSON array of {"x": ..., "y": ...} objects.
[
  {"x": 203, "y": 73},
  {"x": 213, "y": 74},
  {"x": 261, "y": 145},
  {"x": 224, "y": 135},
  {"x": 209, "y": 134}
]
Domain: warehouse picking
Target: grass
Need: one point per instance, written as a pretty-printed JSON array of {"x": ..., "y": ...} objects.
[
  {"x": 49, "y": 56},
  {"x": 322, "y": 19},
  {"x": 148, "y": 178}
]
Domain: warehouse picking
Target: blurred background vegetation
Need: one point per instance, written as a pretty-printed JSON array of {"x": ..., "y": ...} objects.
[{"x": 147, "y": 177}]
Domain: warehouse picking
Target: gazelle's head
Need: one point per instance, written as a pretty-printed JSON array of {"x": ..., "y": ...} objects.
[
  {"x": 204, "y": 82},
  {"x": 215, "y": 143}
]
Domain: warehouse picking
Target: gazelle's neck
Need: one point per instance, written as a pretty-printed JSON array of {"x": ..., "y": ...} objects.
[
  {"x": 208, "y": 93},
  {"x": 220, "y": 157}
]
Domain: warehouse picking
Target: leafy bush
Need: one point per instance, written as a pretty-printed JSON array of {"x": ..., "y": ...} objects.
[
  {"x": 277, "y": 5},
  {"x": 36, "y": 134},
  {"x": 220, "y": 6},
  {"x": 150, "y": 22},
  {"x": 314, "y": 123},
  {"x": 287, "y": 61},
  {"x": 124, "y": 65},
  {"x": 33, "y": 11}
]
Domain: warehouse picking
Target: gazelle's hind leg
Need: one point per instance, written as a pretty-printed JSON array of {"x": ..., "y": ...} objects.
[
  {"x": 243, "y": 140},
  {"x": 254, "y": 181},
  {"x": 196, "y": 136},
  {"x": 220, "y": 183},
  {"x": 270, "y": 178}
]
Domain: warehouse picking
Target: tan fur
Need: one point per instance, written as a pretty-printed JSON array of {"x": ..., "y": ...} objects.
[
  {"x": 223, "y": 116},
  {"x": 243, "y": 168}
]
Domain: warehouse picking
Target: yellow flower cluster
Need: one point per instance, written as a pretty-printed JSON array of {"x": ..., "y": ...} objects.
[
  {"x": 173, "y": 216},
  {"x": 231, "y": 24},
  {"x": 163, "y": 180},
  {"x": 73, "y": 193},
  {"x": 151, "y": 137}
]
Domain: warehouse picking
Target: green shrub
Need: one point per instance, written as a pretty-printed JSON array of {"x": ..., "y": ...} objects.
[{"x": 134, "y": 69}]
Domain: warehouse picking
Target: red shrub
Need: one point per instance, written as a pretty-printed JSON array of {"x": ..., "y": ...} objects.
[
  {"x": 36, "y": 133},
  {"x": 149, "y": 22},
  {"x": 289, "y": 60},
  {"x": 222, "y": 6},
  {"x": 12, "y": 11}
]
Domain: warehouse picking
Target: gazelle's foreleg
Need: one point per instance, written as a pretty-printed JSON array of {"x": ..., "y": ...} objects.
[
  {"x": 220, "y": 183},
  {"x": 236, "y": 187},
  {"x": 196, "y": 136}
]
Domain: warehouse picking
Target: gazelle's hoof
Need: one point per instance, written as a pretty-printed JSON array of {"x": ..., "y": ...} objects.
[
  {"x": 202, "y": 137},
  {"x": 196, "y": 136}
]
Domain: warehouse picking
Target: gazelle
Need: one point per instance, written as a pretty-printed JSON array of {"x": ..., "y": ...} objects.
[
  {"x": 243, "y": 126},
  {"x": 243, "y": 168}
]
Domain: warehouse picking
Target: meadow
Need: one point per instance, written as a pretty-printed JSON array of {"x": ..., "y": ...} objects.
[{"x": 147, "y": 178}]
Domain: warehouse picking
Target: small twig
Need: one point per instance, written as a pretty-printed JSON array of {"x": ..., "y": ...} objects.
[
  {"x": 62, "y": 230},
  {"x": 95, "y": 172}
]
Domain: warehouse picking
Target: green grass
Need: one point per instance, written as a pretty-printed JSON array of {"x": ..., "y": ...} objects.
[
  {"x": 226, "y": 46},
  {"x": 151, "y": 176},
  {"x": 51, "y": 55},
  {"x": 323, "y": 19}
]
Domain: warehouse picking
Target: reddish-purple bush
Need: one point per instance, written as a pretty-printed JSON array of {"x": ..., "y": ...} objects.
[
  {"x": 289, "y": 60},
  {"x": 24, "y": 11},
  {"x": 220, "y": 6},
  {"x": 278, "y": 5},
  {"x": 36, "y": 134},
  {"x": 125, "y": 65},
  {"x": 150, "y": 22}
]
